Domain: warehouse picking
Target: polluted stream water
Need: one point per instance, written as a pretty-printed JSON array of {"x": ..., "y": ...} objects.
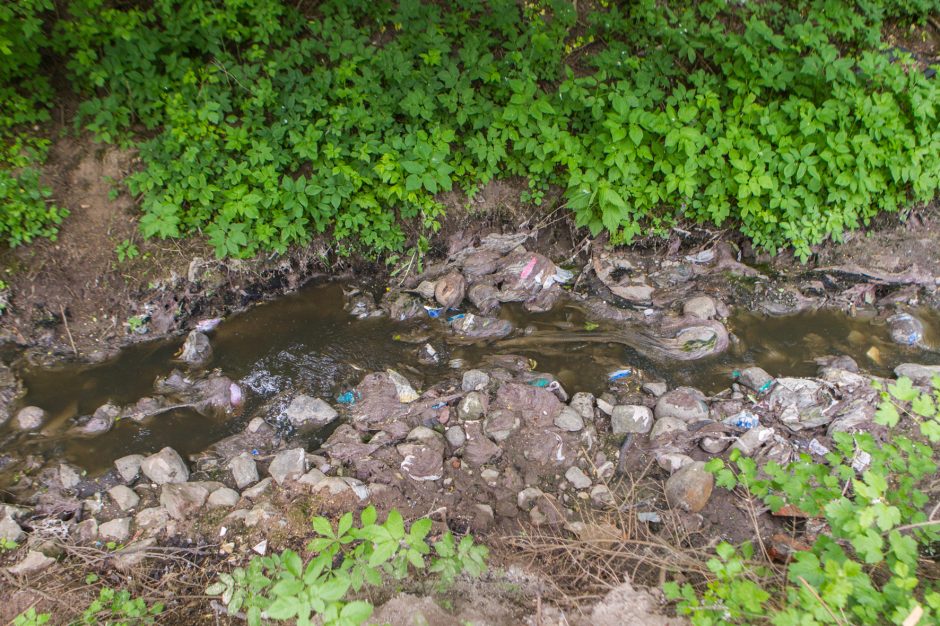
[{"x": 310, "y": 343}]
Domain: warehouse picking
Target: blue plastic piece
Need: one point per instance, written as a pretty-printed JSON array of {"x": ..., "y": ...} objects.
[
  {"x": 744, "y": 419},
  {"x": 434, "y": 313},
  {"x": 620, "y": 374},
  {"x": 540, "y": 382},
  {"x": 454, "y": 318}
]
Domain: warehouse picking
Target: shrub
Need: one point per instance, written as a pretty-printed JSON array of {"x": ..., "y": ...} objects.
[{"x": 866, "y": 569}]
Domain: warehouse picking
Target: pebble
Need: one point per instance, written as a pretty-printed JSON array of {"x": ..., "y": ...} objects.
[
  {"x": 577, "y": 478},
  {"x": 244, "y": 470},
  {"x": 288, "y": 465},
  {"x": 116, "y": 530},
  {"x": 181, "y": 500},
  {"x": 30, "y": 418},
  {"x": 128, "y": 467},
  {"x": 455, "y": 436},
  {"x": 666, "y": 425},
  {"x": 472, "y": 406},
  {"x": 255, "y": 492},
  {"x": 655, "y": 389},
  {"x": 527, "y": 497},
  {"x": 34, "y": 562},
  {"x": 690, "y": 488},
  {"x": 583, "y": 403},
  {"x": 673, "y": 461},
  {"x": 10, "y": 530},
  {"x": 124, "y": 497},
  {"x": 223, "y": 497},
  {"x": 601, "y": 496},
  {"x": 475, "y": 380}
]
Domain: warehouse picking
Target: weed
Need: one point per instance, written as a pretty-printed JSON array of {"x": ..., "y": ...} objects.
[{"x": 346, "y": 559}]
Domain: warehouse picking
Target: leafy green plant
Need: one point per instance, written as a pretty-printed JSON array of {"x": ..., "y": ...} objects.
[
  {"x": 136, "y": 323},
  {"x": 786, "y": 120},
  {"x": 7, "y": 544},
  {"x": 865, "y": 569},
  {"x": 25, "y": 92},
  {"x": 346, "y": 559},
  {"x": 126, "y": 251},
  {"x": 30, "y": 617},
  {"x": 119, "y": 608}
]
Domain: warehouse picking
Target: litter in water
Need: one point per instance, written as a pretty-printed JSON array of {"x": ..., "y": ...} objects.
[{"x": 620, "y": 374}]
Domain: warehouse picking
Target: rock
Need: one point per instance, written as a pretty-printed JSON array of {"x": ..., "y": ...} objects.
[
  {"x": 128, "y": 467},
  {"x": 905, "y": 329},
  {"x": 547, "y": 512},
  {"x": 288, "y": 465},
  {"x": 423, "y": 462},
  {"x": 482, "y": 518},
  {"x": 305, "y": 411},
  {"x": 117, "y": 530},
  {"x": 583, "y": 403},
  {"x": 102, "y": 421},
  {"x": 484, "y": 297},
  {"x": 701, "y": 307},
  {"x": 450, "y": 290},
  {"x": 684, "y": 403},
  {"x": 406, "y": 393},
  {"x": 475, "y": 380},
  {"x": 29, "y": 418},
  {"x": 919, "y": 374},
  {"x": 569, "y": 419},
  {"x": 714, "y": 445},
  {"x": 471, "y": 328},
  {"x": 577, "y": 478},
  {"x": 153, "y": 521},
  {"x": 455, "y": 436},
  {"x": 402, "y": 306},
  {"x": 751, "y": 441},
  {"x": 261, "y": 512},
  {"x": 124, "y": 497},
  {"x": 501, "y": 424},
  {"x": 196, "y": 351},
  {"x": 672, "y": 462},
  {"x": 666, "y": 425},
  {"x": 527, "y": 497},
  {"x": 86, "y": 531},
  {"x": 181, "y": 500},
  {"x": 10, "y": 530},
  {"x": 490, "y": 476},
  {"x": 253, "y": 493},
  {"x": 478, "y": 450},
  {"x": 756, "y": 379},
  {"x": 601, "y": 497},
  {"x": 312, "y": 478},
  {"x": 223, "y": 498},
  {"x": 244, "y": 470},
  {"x": 166, "y": 466},
  {"x": 68, "y": 476},
  {"x": 655, "y": 389},
  {"x": 630, "y": 418},
  {"x": 472, "y": 406},
  {"x": 34, "y": 562},
  {"x": 606, "y": 407},
  {"x": 690, "y": 488}
]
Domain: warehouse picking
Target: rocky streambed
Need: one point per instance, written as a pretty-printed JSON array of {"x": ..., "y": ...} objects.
[{"x": 496, "y": 391}]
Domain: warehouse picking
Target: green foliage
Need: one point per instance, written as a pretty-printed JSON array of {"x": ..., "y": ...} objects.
[
  {"x": 126, "y": 251},
  {"x": 865, "y": 570},
  {"x": 30, "y": 617},
  {"x": 7, "y": 544},
  {"x": 784, "y": 119},
  {"x": 24, "y": 97},
  {"x": 346, "y": 559},
  {"x": 119, "y": 608}
]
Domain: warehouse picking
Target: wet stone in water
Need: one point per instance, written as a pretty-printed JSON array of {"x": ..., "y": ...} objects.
[
  {"x": 905, "y": 329},
  {"x": 30, "y": 418},
  {"x": 196, "y": 351}
]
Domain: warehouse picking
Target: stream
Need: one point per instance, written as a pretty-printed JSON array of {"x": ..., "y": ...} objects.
[{"x": 308, "y": 343}]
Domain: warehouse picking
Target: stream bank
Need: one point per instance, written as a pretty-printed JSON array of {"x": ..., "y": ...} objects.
[{"x": 572, "y": 402}]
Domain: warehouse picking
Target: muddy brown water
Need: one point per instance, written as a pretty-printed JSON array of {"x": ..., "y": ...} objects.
[{"x": 307, "y": 343}]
